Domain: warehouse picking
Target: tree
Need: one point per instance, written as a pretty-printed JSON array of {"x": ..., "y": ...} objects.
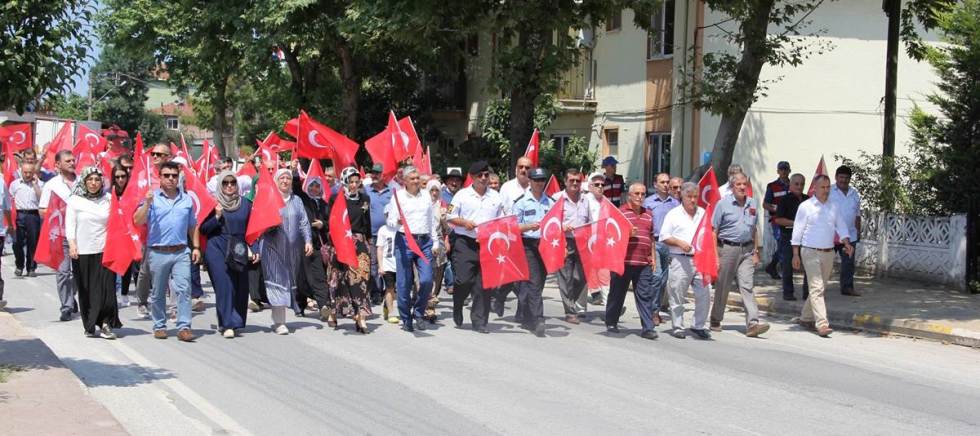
[
  {"x": 119, "y": 82},
  {"x": 43, "y": 43},
  {"x": 728, "y": 84}
]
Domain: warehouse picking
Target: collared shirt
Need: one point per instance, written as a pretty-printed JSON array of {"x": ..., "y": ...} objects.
[
  {"x": 817, "y": 223},
  {"x": 25, "y": 198},
  {"x": 530, "y": 211},
  {"x": 419, "y": 214},
  {"x": 725, "y": 190},
  {"x": 379, "y": 200},
  {"x": 658, "y": 208},
  {"x": 640, "y": 246},
  {"x": 850, "y": 207},
  {"x": 612, "y": 188},
  {"x": 574, "y": 213},
  {"x": 169, "y": 220},
  {"x": 734, "y": 222},
  {"x": 594, "y": 205},
  {"x": 681, "y": 226},
  {"x": 787, "y": 209},
  {"x": 510, "y": 192},
  {"x": 59, "y": 186},
  {"x": 470, "y": 205}
]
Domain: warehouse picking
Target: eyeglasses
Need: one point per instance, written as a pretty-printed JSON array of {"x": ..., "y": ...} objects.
[
  {"x": 597, "y": 185},
  {"x": 228, "y": 182},
  {"x": 158, "y": 154},
  {"x": 483, "y": 174},
  {"x": 169, "y": 175}
]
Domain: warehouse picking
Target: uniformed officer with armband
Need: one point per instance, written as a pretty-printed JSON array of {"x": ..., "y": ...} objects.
[
  {"x": 471, "y": 207},
  {"x": 530, "y": 209}
]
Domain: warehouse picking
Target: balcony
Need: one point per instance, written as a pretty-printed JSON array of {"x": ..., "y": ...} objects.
[{"x": 577, "y": 89}]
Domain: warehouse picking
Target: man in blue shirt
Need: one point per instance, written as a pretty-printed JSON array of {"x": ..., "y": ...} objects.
[
  {"x": 659, "y": 204},
  {"x": 530, "y": 209},
  {"x": 380, "y": 195},
  {"x": 454, "y": 181},
  {"x": 171, "y": 225}
]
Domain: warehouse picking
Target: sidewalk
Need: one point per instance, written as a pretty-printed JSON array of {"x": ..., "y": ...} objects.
[
  {"x": 43, "y": 396},
  {"x": 886, "y": 305}
]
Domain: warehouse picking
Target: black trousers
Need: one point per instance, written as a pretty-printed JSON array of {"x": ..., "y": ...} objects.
[
  {"x": 256, "y": 284},
  {"x": 1, "y": 276},
  {"x": 311, "y": 282},
  {"x": 28, "y": 230},
  {"x": 128, "y": 277},
  {"x": 469, "y": 281},
  {"x": 530, "y": 308},
  {"x": 96, "y": 292}
]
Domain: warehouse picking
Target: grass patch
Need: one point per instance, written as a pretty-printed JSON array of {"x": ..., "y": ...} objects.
[{"x": 6, "y": 370}]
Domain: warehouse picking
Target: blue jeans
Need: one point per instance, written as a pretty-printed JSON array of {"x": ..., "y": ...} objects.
[
  {"x": 847, "y": 267},
  {"x": 660, "y": 273},
  {"x": 165, "y": 265},
  {"x": 406, "y": 261},
  {"x": 448, "y": 276}
]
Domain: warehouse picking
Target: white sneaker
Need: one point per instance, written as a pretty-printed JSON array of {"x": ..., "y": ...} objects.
[
  {"x": 123, "y": 301},
  {"x": 229, "y": 333},
  {"x": 106, "y": 332},
  {"x": 143, "y": 311},
  {"x": 281, "y": 329}
]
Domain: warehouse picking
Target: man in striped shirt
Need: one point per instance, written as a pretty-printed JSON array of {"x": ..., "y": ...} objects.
[{"x": 640, "y": 260}]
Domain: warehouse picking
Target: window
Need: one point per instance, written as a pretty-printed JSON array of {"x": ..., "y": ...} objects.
[
  {"x": 660, "y": 38},
  {"x": 615, "y": 22},
  {"x": 612, "y": 142},
  {"x": 173, "y": 123},
  {"x": 560, "y": 141},
  {"x": 658, "y": 155}
]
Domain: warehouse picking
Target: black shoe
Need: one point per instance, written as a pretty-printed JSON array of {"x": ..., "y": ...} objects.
[
  {"x": 539, "y": 330},
  {"x": 649, "y": 334},
  {"x": 65, "y": 315},
  {"x": 701, "y": 333},
  {"x": 420, "y": 323},
  {"x": 789, "y": 297},
  {"x": 458, "y": 317},
  {"x": 498, "y": 306},
  {"x": 612, "y": 329},
  {"x": 18, "y": 272},
  {"x": 408, "y": 328},
  {"x": 482, "y": 329},
  {"x": 772, "y": 271},
  {"x": 678, "y": 333},
  {"x": 32, "y": 273}
]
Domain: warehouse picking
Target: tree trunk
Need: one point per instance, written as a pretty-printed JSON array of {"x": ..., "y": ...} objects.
[
  {"x": 351, "y": 88},
  {"x": 220, "y": 104},
  {"x": 745, "y": 82},
  {"x": 893, "y": 9},
  {"x": 523, "y": 96}
]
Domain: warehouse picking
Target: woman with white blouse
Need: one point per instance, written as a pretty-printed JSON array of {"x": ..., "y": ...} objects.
[{"x": 86, "y": 216}]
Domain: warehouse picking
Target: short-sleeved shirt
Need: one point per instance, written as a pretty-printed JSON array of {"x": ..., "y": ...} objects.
[
  {"x": 575, "y": 213},
  {"x": 658, "y": 208},
  {"x": 169, "y": 219},
  {"x": 59, "y": 186},
  {"x": 681, "y": 226},
  {"x": 379, "y": 200},
  {"x": 530, "y": 210},
  {"x": 510, "y": 192},
  {"x": 640, "y": 246},
  {"x": 25, "y": 198},
  {"x": 4, "y": 205},
  {"x": 787, "y": 209},
  {"x": 849, "y": 207},
  {"x": 734, "y": 222},
  {"x": 470, "y": 205},
  {"x": 386, "y": 240},
  {"x": 612, "y": 188}
]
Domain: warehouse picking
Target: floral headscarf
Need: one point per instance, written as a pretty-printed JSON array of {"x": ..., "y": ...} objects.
[{"x": 82, "y": 191}]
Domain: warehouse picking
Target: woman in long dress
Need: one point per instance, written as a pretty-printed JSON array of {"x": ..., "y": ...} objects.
[
  {"x": 86, "y": 218},
  {"x": 351, "y": 299},
  {"x": 282, "y": 249},
  {"x": 225, "y": 230}
]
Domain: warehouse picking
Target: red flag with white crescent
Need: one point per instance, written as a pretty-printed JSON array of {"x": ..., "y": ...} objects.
[
  {"x": 708, "y": 189},
  {"x": 533, "y": 146},
  {"x": 552, "y": 187},
  {"x": 122, "y": 243},
  {"x": 705, "y": 248},
  {"x": 586, "y": 237},
  {"x": 821, "y": 171},
  {"x": 61, "y": 141},
  {"x": 50, "y": 250},
  {"x": 340, "y": 232},
  {"x": 552, "y": 246},
  {"x": 614, "y": 234},
  {"x": 409, "y": 237},
  {"x": 16, "y": 137},
  {"x": 502, "y": 258},
  {"x": 204, "y": 203},
  {"x": 317, "y": 141},
  {"x": 265, "y": 208},
  {"x": 379, "y": 147}
]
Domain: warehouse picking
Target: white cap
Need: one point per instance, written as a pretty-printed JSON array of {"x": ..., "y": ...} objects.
[
  {"x": 179, "y": 160},
  {"x": 597, "y": 175}
]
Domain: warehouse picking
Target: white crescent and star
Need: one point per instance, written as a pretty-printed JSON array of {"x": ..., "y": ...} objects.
[
  {"x": 23, "y": 137},
  {"x": 544, "y": 232},
  {"x": 494, "y": 236},
  {"x": 311, "y": 137},
  {"x": 194, "y": 199},
  {"x": 704, "y": 194},
  {"x": 619, "y": 232},
  {"x": 92, "y": 139},
  {"x": 344, "y": 218}
]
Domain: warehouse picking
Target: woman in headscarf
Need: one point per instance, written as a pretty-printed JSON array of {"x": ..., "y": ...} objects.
[
  {"x": 351, "y": 299},
  {"x": 86, "y": 217},
  {"x": 282, "y": 249},
  {"x": 227, "y": 254},
  {"x": 120, "y": 178},
  {"x": 440, "y": 261},
  {"x": 312, "y": 282}
]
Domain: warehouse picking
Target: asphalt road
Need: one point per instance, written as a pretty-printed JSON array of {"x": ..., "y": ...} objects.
[{"x": 577, "y": 380}]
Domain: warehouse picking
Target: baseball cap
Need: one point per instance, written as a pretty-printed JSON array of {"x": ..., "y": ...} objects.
[
  {"x": 782, "y": 165},
  {"x": 609, "y": 160}
]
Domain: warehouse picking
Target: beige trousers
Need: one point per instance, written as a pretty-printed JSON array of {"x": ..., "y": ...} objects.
[{"x": 818, "y": 265}]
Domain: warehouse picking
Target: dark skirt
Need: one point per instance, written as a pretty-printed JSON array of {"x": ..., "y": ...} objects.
[
  {"x": 351, "y": 293},
  {"x": 96, "y": 292}
]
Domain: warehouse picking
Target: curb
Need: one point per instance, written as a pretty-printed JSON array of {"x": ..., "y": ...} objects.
[{"x": 872, "y": 322}]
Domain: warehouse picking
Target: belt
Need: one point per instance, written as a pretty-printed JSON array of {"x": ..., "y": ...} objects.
[
  {"x": 421, "y": 237},
  {"x": 733, "y": 243},
  {"x": 679, "y": 254},
  {"x": 825, "y": 250},
  {"x": 28, "y": 212},
  {"x": 169, "y": 248},
  {"x": 531, "y": 241}
]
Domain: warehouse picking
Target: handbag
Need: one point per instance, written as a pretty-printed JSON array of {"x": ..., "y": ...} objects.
[{"x": 236, "y": 256}]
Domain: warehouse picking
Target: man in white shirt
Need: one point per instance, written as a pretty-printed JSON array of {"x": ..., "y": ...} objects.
[
  {"x": 416, "y": 207},
  {"x": 62, "y": 185},
  {"x": 26, "y": 192},
  {"x": 5, "y": 207},
  {"x": 726, "y": 189},
  {"x": 818, "y": 221},
  {"x": 571, "y": 276},
  {"x": 677, "y": 233},
  {"x": 514, "y": 188},
  {"x": 849, "y": 205},
  {"x": 471, "y": 207}
]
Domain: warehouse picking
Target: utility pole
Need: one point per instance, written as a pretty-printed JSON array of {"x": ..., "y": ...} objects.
[
  {"x": 893, "y": 9},
  {"x": 91, "y": 83}
]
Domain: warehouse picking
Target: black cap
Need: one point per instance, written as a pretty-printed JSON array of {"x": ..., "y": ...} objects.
[
  {"x": 538, "y": 174},
  {"x": 783, "y": 165},
  {"x": 479, "y": 167}
]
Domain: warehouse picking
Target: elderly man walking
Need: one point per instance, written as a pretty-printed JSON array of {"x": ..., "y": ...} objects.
[
  {"x": 571, "y": 276},
  {"x": 638, "y": 271},
  {"x": 734, "y": 220},
  {"x": 817, "y": 221},
  {"x": 677, "y": 232}
]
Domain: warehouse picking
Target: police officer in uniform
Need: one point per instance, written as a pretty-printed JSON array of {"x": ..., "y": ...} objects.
[
  {"x": 530, "y": 209},
  {"x": 471, "y": 207}
]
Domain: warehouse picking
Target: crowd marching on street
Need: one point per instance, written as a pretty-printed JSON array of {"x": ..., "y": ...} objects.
[{"x": 343, "y": 241}]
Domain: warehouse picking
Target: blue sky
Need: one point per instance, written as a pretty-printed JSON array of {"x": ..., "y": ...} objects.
[{"x": 81, "y": 78}]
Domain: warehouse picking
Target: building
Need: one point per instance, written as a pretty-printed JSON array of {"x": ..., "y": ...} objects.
[{"x": 178, "y": 113}]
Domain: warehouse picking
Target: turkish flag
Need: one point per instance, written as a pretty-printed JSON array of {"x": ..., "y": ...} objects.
[
  {"x": 86, "y": 136},
  {"x": 533, "y": 146},
  {"x": 468, "y": 181},
  {"x": 585, "y": 239},
  {"x": 748, "y": 188},
  {"x": 61, "y": 141},
  {"x": 405, "y": 136},
  {"x": 552, "y": 187},
  {"x": 122, "y": 242},
  {"x": 265, "y": 208},
  {"x": 419, "y": 161},
  {"x": 84, "y": 157},
  {"x": 706, "y": 249},
  {"x": 340, "y": 232},
  {"x": 708, "y": 189},
  {"x": 16, "y": 137},
  {"x": 613, "y": 237},
  {"x": 204, "y": 203},
  {"x": 9, "y": 171},
  {"x": 317, "y": 141},
  {"x": 316, "y": 173},
  {"x": 379, "y": 147},
  {"x": 409, "y": 237},
  {"x": 247, "y": 169},
  {"x": 50, "y": 250},
  {"x": 138, "y": 145},
  {"x": 821, "y": 171},
  {"x": 552, "y": 245},
  {"x": 502, "y": 258},
  {"x": 143, "y": 178}
]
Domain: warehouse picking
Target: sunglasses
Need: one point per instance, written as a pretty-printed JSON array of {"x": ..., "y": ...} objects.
[
  {"x": 598, "y": 185},
  {"x": 573, "y": 181},
  {"x": 483, "y": 175},
  {"x": 123, "y": 176},
  {"x": 228, "y": 182},
  {"x": 169, "y": 175},
  {"x": 157, "y": 154}
]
